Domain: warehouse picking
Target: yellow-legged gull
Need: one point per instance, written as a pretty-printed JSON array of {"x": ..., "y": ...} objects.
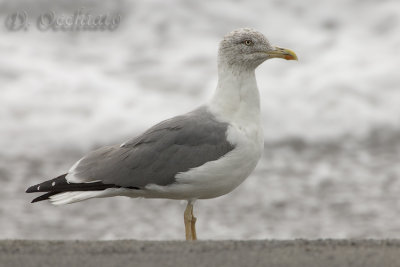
[{"x": 202, "y": 154}]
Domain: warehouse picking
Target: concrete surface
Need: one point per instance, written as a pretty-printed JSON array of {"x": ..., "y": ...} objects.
[{"x": 326, "y": 253}]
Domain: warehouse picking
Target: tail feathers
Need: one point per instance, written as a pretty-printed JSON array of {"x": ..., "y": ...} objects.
[
  {"x": 61, "y": 198},
  {"x": 77, "y": 196},
  {"x": 72, "y": 197}
]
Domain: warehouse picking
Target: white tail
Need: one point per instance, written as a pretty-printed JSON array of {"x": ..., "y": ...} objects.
[{"x": 76, "y": 196}]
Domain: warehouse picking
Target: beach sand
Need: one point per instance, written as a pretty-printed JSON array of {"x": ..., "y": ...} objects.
[{"x": 327, "y": 253}]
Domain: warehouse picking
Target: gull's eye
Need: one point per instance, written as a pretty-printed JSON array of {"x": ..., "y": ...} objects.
[{"x": 248, "y": 42}]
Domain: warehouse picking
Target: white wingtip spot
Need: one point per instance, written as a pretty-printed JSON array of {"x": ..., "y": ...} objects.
[
  {"x": 53, "y": 183},
  {"x": 38, "y": 188}
]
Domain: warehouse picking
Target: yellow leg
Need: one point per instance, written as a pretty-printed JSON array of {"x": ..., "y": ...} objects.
[
  {"x": 190, "y": 222},
  {"x": 194, "y": 235}
]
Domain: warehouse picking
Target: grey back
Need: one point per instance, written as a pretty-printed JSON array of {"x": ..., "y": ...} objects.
[{"x": 155, "y": 157}]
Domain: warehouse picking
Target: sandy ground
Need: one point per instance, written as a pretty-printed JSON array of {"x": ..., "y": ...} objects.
[{"x": 327, "y": 253}]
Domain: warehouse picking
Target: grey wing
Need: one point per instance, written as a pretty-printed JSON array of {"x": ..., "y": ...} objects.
[{"x": 155, "y": 157}]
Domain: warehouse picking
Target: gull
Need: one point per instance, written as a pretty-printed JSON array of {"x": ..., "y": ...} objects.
[{"x": 203, "y": 154}]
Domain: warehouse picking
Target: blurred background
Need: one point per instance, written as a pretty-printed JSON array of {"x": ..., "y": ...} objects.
[{"x": 331, "y": 121}]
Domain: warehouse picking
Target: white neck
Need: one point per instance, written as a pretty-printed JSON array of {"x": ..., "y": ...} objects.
[{"x": 236, "y": 98}]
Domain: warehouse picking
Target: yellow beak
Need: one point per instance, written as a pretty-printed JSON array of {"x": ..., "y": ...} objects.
[{"x": 282, "y": 53}]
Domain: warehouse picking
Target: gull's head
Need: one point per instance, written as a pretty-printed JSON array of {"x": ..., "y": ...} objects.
[{"x": 248, "y": 48}]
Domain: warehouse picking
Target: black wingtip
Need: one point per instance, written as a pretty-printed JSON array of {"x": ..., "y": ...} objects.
[
  {"x": 30, "y": 189},
  {"x": 47, "y": 186},
  {"x": 60, "y": 184},
  {"x": 44, "y": 196}
]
